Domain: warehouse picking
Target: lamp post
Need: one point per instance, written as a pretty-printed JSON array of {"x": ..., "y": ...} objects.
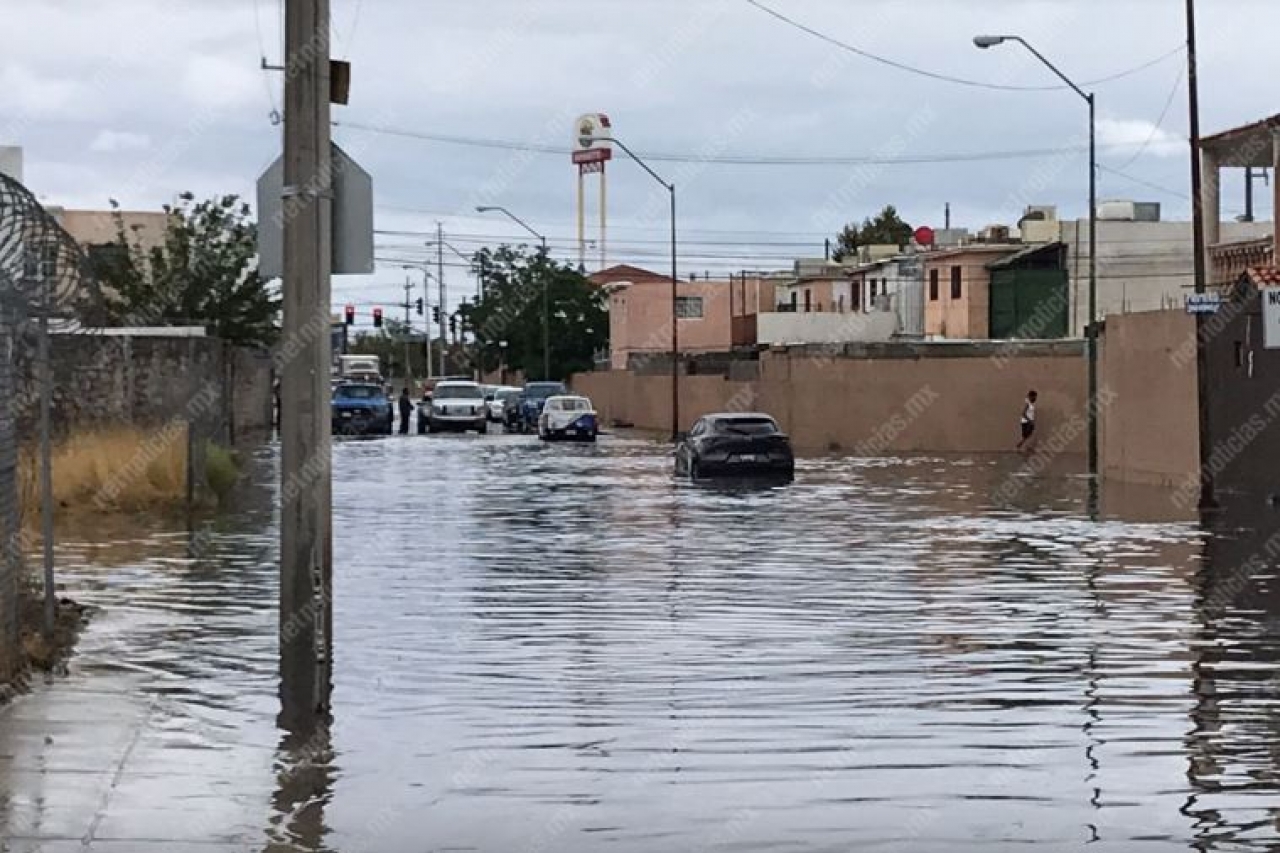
[
  {"x": 675, "y": 325},
  {"x": 546, "y": 319},
  {"x": 1091, "y": 333}
]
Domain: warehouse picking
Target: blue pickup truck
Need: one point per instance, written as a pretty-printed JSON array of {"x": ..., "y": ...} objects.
[
  {"x": 361, "y": 408},
  {"x": 532, "y": 399}
]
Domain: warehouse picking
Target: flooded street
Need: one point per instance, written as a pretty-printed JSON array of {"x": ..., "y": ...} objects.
[{"x": 560, "y": 648}]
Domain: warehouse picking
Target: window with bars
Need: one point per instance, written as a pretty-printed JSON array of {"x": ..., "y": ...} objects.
[{"x": 689, "y": 307}]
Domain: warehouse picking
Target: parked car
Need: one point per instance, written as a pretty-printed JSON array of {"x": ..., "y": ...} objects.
[
  {"x": 494, "y": 400},
  {"x": 567, "y": 417},
  {"x": 532, "y": 398},
  {"x": 456, "y": 406},
  {"x": 735, "y": 444},
  {"x": 360, "y": 408}
]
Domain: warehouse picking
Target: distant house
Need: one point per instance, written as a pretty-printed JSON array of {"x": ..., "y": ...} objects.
[
  {"x": 957, "y": 290},
  {"x": 713, "y": 314}
]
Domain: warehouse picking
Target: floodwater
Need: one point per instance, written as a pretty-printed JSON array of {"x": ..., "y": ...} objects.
[{"x": 560, "y": 648}]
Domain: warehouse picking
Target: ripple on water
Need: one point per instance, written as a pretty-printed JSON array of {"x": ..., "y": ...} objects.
[{"x": 563, "y": 647}]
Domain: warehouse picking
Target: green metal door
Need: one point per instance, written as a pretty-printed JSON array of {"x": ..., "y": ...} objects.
[{"x": 1028, "y": 303}]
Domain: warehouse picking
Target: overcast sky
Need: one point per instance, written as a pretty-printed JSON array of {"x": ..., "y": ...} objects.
[{"x": 141, "y": 99}]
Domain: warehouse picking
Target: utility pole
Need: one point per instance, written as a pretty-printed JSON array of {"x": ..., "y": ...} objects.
[
  {"x": 1207, "y": 500},
  {"x": 444, "y": 337},
  {"x": 306, "y": 541},
  {"x": 408, "y": 329}
]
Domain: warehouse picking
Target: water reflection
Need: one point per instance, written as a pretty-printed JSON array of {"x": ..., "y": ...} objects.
[{"x": 568, "y": 648}]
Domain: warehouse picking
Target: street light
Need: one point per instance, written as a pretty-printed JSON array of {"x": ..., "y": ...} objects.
[
  {"x": 675, "y": 325},
  {"x": 1091, "y": 334},
  {"x": 546, "y": 321}
]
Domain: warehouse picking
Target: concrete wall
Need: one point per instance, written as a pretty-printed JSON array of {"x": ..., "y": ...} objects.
[
  {"x": 876, "y": 399},
  {"x": 1142, "y": 266},
  {"x": 798, "y": 328},
  {"x": 106, "y": 379},
  {"x": 1148, "y": 429}
]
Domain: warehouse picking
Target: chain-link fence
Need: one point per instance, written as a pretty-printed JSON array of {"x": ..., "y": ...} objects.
[{"x": 44, "y": 284}]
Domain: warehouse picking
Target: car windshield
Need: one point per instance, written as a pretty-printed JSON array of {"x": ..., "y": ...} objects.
[
  {"x": 508, "y": 396},
  {"x": 358, "y": 392},
  {"x": 543, "y": 390},
  {"x": 746, "y": 426},
  {"x": 458, "y": 392},
  {"x": 570, "y": 404}
]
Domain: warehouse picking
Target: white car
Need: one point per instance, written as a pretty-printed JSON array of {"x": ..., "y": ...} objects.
[
  {"x": 457, "y": 406},
  {"x": 568, "y": 417},
  {"x": 493, "y": 396}
]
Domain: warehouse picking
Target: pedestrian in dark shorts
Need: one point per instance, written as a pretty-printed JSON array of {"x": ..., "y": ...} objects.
[{"x": 1028, "y": 418}]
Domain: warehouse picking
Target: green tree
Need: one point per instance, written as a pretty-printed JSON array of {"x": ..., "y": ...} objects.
[
  {"x": 511, "y": 311},
  {"x": 887, "y": 228},
  {"x": 204, "y": 272}
]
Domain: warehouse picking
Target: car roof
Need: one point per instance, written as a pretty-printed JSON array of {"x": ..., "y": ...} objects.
[
  {"x": 568, "y": 397},
  {"x": 456, "y": 383},
  {"x": 740, "y": 416}
]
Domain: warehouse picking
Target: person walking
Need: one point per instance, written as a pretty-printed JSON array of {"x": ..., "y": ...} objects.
[
  {"x": 1028, "y": 423},
  {"x": 406, "y": 409}
]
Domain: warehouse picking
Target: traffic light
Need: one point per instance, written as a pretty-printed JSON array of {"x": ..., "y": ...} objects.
[
  {"x": 377, "y": 318},
  {"x": 453, "y": 325},
  {"x": 419, "y": 304},
  {"x": 435, "y": 314},
  {"x": 350, "y": 314}
]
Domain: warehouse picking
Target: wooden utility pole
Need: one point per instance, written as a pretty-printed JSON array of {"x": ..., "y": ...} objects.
[
  {"x": 1199, "y": 263},
  {"x": 306, "y": 541}
]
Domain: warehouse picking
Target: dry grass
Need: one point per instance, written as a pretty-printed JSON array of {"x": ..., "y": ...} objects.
[{"x": 120, "y": 469}]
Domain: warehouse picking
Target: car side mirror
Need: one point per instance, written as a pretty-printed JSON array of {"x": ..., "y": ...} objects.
[{"x": 681, "y": 436}]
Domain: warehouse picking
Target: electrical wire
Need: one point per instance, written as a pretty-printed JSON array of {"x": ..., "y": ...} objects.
[
  {"x": 262, "y": 51},
  {"x": 736, "y": 160},
  {"x": 1156, "y": 128},
  {"x": 947, "y": 78}
]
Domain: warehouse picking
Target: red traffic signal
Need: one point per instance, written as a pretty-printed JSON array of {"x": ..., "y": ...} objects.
[
  {"x": 377, "y": 318},
  {"x": 350, "y": 314}
]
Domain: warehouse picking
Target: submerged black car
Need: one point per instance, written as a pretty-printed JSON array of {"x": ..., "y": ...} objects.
[{"x": 728, "y": 444}]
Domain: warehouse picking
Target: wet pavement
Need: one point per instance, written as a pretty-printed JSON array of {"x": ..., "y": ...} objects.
[{"x": 560, "y": 648}]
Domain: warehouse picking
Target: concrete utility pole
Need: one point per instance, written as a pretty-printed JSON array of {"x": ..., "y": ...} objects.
[
  {"x": 1199, "y": 262},
  {"x": 444, "y": 337},
  {"x": 408, "y": 333},
  {"x": 306, "y": 541}
]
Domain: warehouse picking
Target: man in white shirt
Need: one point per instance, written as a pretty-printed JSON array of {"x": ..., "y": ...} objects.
[{"x": 1028, "y": 418}]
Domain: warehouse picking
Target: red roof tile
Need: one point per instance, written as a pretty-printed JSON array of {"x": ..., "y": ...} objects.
[{"x": 1264, "y": 276}]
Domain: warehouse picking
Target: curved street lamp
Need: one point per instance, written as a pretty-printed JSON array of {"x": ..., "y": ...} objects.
[
  {"x": 1091, "y": 333},
  {"x": 675, "y": 324},
  {"x": 546, "y": 322}
]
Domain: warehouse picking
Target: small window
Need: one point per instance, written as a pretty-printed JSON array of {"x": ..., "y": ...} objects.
[
  {"x": 873, "y": 288},
  {"x": 808, "y": 300},
  {"x": 955, "y": 282},
  {"x": 689, "y": 307},
  {"x": 933, "y": 285}
]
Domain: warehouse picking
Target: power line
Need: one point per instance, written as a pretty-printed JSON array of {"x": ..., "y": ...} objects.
[
  {"x": 947, "y": 78},
  {"x": 736, "y": 160},
  {"x": 1164, "y": 113}
]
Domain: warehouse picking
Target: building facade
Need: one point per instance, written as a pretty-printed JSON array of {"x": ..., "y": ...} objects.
[{"x": 957, "y": 290}]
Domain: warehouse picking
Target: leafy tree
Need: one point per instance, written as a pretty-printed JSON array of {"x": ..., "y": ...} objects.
[
  {"x": 204, "y": 272},
  {"x": 887, "y": 228},
  {"x": 511, "y": 310}
]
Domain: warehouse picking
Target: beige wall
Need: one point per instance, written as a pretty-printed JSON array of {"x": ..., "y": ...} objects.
[
  {"x": 948, "y": 403},
  {"x": 97, "y": 227},
  {"x": 967, "y": 316},
  {"x": 1148, "y": 433}
]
